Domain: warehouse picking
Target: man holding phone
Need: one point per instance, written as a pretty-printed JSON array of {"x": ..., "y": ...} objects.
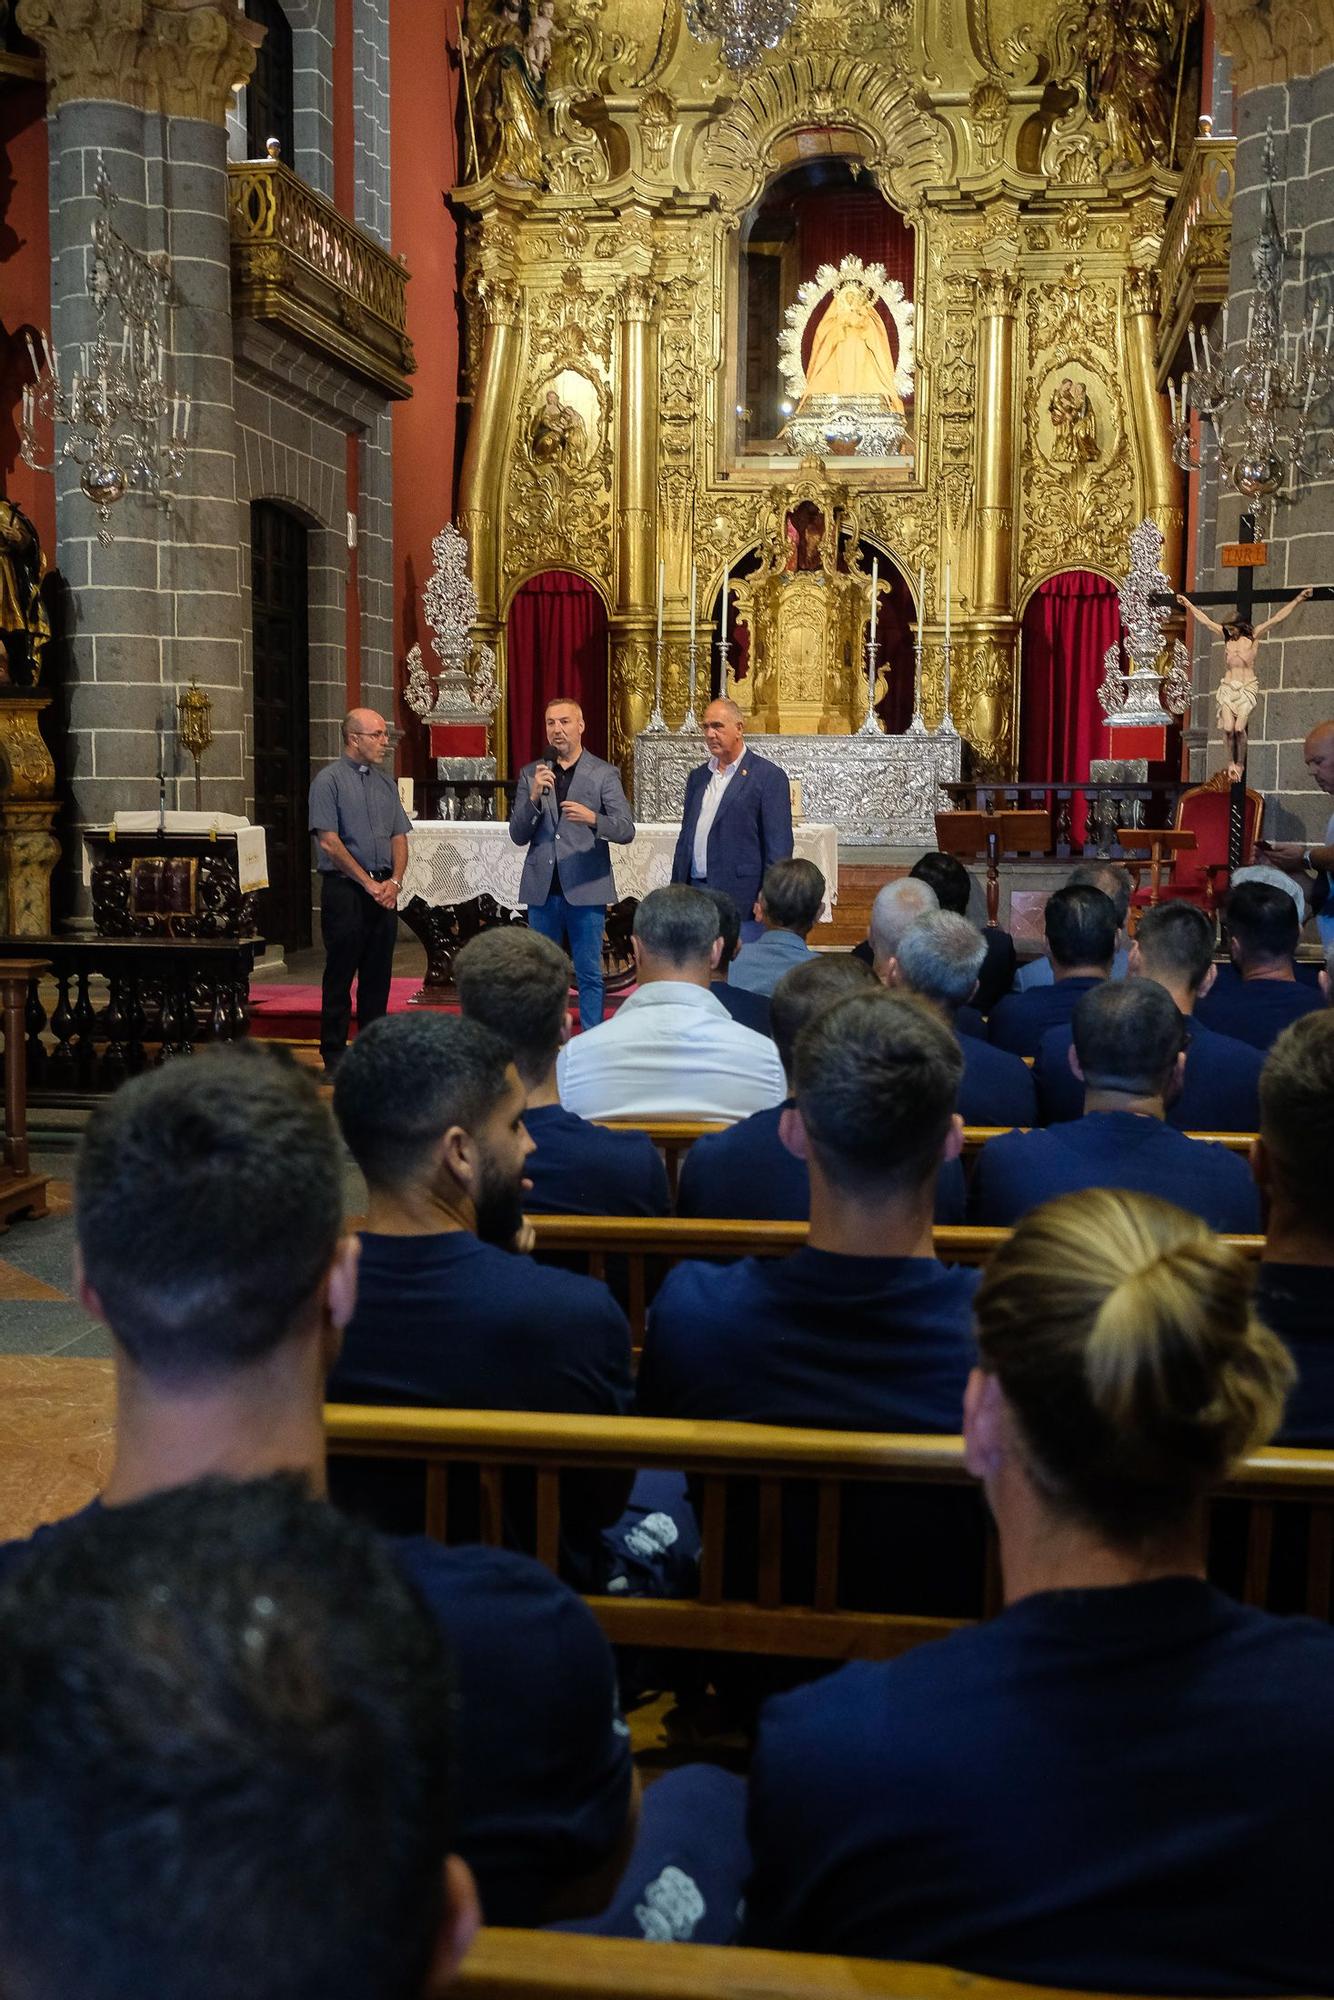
[
  {"x": 1316, "y": 859},
  {"x": 568, "y": 807}
]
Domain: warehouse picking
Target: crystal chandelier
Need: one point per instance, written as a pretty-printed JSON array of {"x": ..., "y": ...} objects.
[
  {"x": 123, "y": 428},
  {"x": 746, "y": 28},
  {"x": 1255, "y": 408}
]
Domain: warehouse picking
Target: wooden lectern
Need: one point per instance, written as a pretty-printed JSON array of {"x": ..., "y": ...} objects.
[{"x": 970, "y": 834}]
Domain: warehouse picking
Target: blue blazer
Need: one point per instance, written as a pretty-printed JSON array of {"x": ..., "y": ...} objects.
[
  {"x": 751, "y": 829},
  {"x": 585, "y": 858}
]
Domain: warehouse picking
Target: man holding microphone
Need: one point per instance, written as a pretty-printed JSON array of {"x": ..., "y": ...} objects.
[{"x": 568, "y": 806}]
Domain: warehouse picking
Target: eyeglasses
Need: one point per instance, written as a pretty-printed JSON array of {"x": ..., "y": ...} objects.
[{"x": 373, "y": 735}]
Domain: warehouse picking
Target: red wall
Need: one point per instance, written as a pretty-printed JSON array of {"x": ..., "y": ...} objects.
[
  {"x": 423, "y": 165},
  {"x": 25, "y": 290}
]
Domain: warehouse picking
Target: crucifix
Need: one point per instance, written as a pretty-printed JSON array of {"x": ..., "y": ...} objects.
[{"x": 1239, "y": 688}]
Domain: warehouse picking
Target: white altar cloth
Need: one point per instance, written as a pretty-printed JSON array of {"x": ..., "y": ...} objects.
[{"x": 453, "y": 860}]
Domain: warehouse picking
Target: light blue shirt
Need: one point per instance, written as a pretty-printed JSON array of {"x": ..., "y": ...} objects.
[
  {"x": 1038, "y": 971},
  {"x": 760, "y": 965}
]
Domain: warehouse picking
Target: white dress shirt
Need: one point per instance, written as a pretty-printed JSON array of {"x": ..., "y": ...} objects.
[
  {"x": 670, "y": 1051},
  {"x": 708, "y": 812}
]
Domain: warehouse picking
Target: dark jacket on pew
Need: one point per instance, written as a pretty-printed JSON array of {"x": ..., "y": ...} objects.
[
  {"x": 748, "y": 1173},
  {"x": 1256, "y": 1010},
  {"x": 1021, "y": 1019},
  {"x": 579, "y": 1168},
  {"x": 750, "y": 1009},
  {"x": 996, "y": 1087},
  {"x": 1120, "y": 1149},
  {"x": 1220, "y": 1091},
  {"x": 839, "y": 1343},
  {"x": 449, "y": 1322},
  {"x": 1123, "y": 1789}
]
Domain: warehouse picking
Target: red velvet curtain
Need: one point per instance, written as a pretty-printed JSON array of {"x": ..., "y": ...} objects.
[
  {"x": 1070, "y": 622},
  {"x": 556, "y": 643}
]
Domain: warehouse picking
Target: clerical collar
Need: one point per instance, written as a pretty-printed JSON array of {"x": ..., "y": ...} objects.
[{"x": 364, "y": 770}]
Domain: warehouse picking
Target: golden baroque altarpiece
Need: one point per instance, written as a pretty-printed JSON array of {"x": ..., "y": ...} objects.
[{"x": 602, "y": 261}]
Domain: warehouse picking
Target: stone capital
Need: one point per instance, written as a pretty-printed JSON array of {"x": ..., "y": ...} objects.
[{"x": 179, "y": 58}]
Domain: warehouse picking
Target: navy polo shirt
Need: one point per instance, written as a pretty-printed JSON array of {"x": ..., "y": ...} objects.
[
  {"x": 1112, "y": 1149},
  {"x": 1257, "y": 1010},
  {"x": 748, "y": 1174},
  {"x": 750, "y": 1009},
  {"x": 1220, "y": 1090},
  {"x": 361, "y": 805},
  {"x": 838, "y": 1343},
  {"x": 1124, "y": 1788},
  {"x": 1297, "y": 1301},
  {"x": 542, "y": 1777},
  {"x": 1020, "y": 1020},
  {"x": 448, "y": 1322},
  {"x": 579, "y": 1168},
  {"x": 996, "y": 1087}
]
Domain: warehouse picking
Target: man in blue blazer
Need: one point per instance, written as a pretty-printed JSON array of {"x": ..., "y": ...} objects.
[
  {"x": 737, "y": 817},
  {"x": 567, "y": 808}
]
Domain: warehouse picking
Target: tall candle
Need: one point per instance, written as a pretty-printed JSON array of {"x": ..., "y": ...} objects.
[
  {"x": 662, "y": 570},
  {"x": 921, "y": 598},
  {"x": 947, "y": 602},
  {"x": 1194, "y": 351},
  {"x": 692, "y": 604},
  {"x": 1172, "y": 396}
]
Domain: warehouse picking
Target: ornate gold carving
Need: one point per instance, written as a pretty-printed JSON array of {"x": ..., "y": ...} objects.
[
  {"x": 1274, "y": 41},
  {"x": 181, "y": 58},
  {"x": 998, "y": 292},
  {"x": 657, "y": 120},
  {"x": 631, "y": 697},
  {"x": 501, "y": 301},
  {"x": 298, "y": 263},
  {"x": 988, "y": 110},
  {"x": 558, "y": 510},
  {"x": 1141, "y": 291},
  {"x": 1078, "y": 479},
  {"x": 982, "y": 702},
  {"x": 635, "y": 301}
]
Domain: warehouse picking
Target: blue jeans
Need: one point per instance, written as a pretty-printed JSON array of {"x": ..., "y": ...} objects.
[{"x": 583, "y": 924}]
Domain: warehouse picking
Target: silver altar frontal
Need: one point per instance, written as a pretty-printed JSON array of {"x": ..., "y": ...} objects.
[{"x": 879, "y": 791}]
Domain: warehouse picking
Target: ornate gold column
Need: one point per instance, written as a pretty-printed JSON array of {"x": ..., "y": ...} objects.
[
  {"x": 636, "y": 539},
  {"x": 998, "y": 299},
  {"x": 28, "y": 804},
  {"x": 482, "y": 483},
  {"x": 1161, "y": 478}
]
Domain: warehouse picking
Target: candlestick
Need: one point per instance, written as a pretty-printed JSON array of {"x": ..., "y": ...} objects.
[
  {"x": 947, "y": 601},
  {"x": 662, "y": 576},
  {"x": 722, "y": 633},
  {"x": 32, "y": 355},
  {"x": 690, "y": 726},
  {"x": 1194, "y": 351},
  {"x": 871, "y": 724},
  {"x": 692, "y": 617}
]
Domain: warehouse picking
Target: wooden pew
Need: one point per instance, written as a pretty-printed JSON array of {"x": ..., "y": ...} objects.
[
  {"x": 534, "y": 1965},
  {"x": 646, "y": 1244},
  {"x": 828, "y": 1464}
]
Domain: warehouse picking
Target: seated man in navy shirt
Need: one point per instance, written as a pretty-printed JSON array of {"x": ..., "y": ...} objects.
[
  {"x": 953, "y": 885},
  {"x": 788, "y": 910},
  {"x": 1129, "y": 1053},
  {"x": 1114, "y": 881},
  {"x": 747, "y": 1172},
  {"x": 862, "y": 1329},
  {"x": 449, "y": 1312},
  {"x": 1262, "y": 931},
  {"x": 750, "y": 1009},
  {"x": 517, "y": 983},
  {"x": 1294, "y": 1292},
  {"x": 1220, "y": 1091},
  {"x": 227, "y": 1765},
  {"x": 940, "y": 959},
  {"x": 223, "y": 1338},
  {"x": 1080, "y": 925}
]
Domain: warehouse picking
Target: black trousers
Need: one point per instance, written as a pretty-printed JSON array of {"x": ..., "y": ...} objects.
[{"x": 359, "y": 939}]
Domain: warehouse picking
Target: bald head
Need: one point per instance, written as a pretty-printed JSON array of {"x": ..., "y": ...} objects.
[
  {"x": 1318, "y": 751},
  {"x": 365, "y": 735}
]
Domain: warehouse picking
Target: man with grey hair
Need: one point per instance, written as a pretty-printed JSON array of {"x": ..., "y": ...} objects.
[
  {"x": 896, "y": 908},
  {"x": 737, "y": 817},
  {"x": 361, "y": 833},
  {"x": 940, "y": 959},
  {"x": 671, "y": 1050}
]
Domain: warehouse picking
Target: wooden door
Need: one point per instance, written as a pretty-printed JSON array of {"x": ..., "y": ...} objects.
[{"x": 282, "y": 718}]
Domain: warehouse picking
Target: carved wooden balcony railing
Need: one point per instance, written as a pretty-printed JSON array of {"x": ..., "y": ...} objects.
[
  {"x": 299, "y": 265},
  {"x": 1193, "y": 264}
]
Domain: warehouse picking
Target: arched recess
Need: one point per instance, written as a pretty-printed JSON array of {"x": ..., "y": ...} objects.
[
  {"x": 1068, "y": 623},
  {"x": 555, "y": 643},
  {"x": 280, "y": 695}
]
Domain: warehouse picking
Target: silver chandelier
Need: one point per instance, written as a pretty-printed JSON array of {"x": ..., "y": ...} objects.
[
  {"x": 123, "y": 427},
  {"x": 1255, "y": 405},
  {"x": 746, "y": 28}
]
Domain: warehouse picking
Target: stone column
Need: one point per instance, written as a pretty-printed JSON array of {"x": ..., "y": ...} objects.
[
  {"x": 998, "y": 298},
  {"x": 147, "y": 89}
]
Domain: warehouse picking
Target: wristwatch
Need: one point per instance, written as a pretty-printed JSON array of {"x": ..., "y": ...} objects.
[{"x": 1307, "y": 861}]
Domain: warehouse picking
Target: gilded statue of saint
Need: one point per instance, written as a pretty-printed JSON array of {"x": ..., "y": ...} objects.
[
  {"x": 24, "y": 625},
  {"x": 1074, "y": 426},
  {"x": 507, "y": 63},
  {"x": 1130, "y": 55},
  {"x": 850, "y": 352},
  {"x": 560, "y": 435}
]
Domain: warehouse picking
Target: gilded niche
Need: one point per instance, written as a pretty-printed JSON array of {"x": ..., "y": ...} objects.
[{"x": 1078, "y": 478}]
